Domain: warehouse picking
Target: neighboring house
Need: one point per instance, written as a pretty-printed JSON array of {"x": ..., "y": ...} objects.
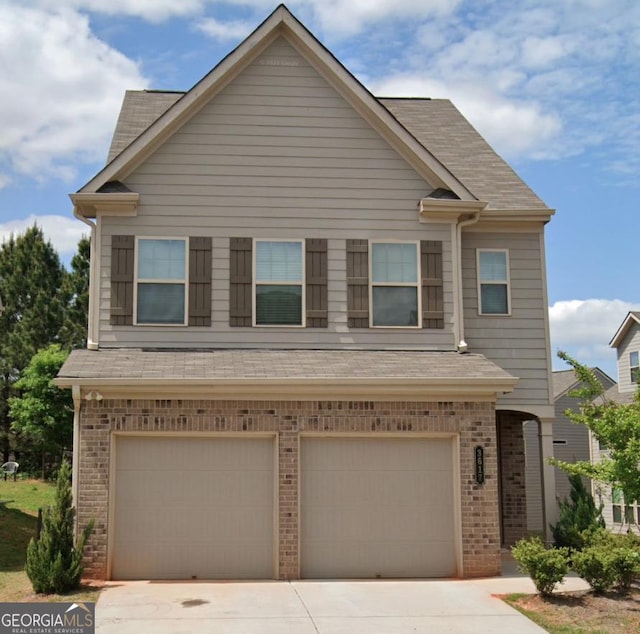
[
  {"x": 318, "y": 320},
  {"x": 626, "y": 343},
  {"x": 571, "y": 442}
]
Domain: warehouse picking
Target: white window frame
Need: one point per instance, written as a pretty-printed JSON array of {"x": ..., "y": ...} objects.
[
  {"x": 633, "y": 366},
  {"x": 185, "y": 281},
  {"x": 255, "y": 284},
  {"x": 417, "y": 284},
  {"x": 506, "y": 282}
]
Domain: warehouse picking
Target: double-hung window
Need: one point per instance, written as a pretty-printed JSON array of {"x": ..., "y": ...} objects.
[
  {"x": 279, "y": 283},
  {"x": 394, "y": 279},
  {"x": 493, "y": 282},
  {"x": 161, "y": 281},
  {"x": 634, "y": 367}
]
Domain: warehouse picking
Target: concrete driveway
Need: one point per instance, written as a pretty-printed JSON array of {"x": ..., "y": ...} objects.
[{"x": 315, "y": 607}]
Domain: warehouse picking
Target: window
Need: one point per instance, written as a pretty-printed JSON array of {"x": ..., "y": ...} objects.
[
  {"x": 279, "y": 288},
  {"x": 395, "y": 301},
  {"x": 616, "y": 499},
  {"x": 493, "y": 282},
  {"x": 634, "y": 366},
  {"x": 160, "y": 280}
]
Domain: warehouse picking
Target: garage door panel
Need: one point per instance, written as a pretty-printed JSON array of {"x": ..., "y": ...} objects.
[
  {"x": 377, "y": 507},
  {"x": 208, "y": 520}
]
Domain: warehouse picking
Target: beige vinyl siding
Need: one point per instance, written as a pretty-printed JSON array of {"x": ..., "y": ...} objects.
[
  {"x": 630, "y": 343},
  {"x": 533, "y": 476},
  {"x": 516, "y": 342},
  {"x": 277, "y": 154}
]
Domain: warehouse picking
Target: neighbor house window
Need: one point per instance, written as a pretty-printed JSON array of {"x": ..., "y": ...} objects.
[
  {"x": 493, "y": 282},
  {"x": 279, "y": 288},
  {"x": 161, "y": 288},
  {"x": 634, "y": 366},
  {"x": 395, "y": 300}
]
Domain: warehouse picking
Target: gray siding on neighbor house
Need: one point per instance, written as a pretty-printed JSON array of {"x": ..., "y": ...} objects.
[
  {"x": 516, "y": 342},
  {"x": 278, "y": 153},
  {"x": 630, "y": 343}
]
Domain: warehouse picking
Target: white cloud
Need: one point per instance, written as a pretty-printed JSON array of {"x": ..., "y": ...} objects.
[
  {"x": 62, "y": 89},
  {"x": 584, "y": 328},
  {"x": 63, "y": 232},
  {"x": 230, "y": 30},
  {"x": 151, "y": 10}
]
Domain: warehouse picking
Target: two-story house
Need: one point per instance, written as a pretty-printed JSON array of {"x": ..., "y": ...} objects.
[
  {"x": 318, "y": 320},
  {"x": 626, "y": 343}
]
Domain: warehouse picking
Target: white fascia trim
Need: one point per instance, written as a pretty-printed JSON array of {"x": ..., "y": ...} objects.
[
  {"x": 518, "y": 215},
  {"x": 433, "y": 209},
  {"x": 461, "y": 389},
  {"x": 622, "y": 331},
  {"x": 92, "y": 205}
]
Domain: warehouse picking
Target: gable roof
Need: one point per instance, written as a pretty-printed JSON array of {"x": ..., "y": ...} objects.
[
  {"x": 565, "y": 380},
  {"x": 632, "y": 318},
  {"x": 281, "y": 23},
  {"x": 435, "y": 123}
]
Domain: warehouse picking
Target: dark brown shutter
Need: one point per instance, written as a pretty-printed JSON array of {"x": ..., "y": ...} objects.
[
  {"x": 316, "y": 283},
  {"x": 200, "y": 281},
  {"x": 358, "y": 283},
  {"x": 240, "y": 265},
  {"x": 431, "y": 273},
  {"x": 122, "y": 262}
]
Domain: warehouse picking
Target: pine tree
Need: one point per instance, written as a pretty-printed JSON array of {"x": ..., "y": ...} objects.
[
  {"x": 31, "y": 278},
  {"x": 577, "y": 514},
  {"x": 75, "y": 291},
  {"x": 54, "y": 563}
]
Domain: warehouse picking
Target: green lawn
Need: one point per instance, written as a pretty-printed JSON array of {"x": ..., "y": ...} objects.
[{"x": 19, "y": 504}]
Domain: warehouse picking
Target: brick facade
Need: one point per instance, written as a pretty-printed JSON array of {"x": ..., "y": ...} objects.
[
  {"x": 473, "y": 422},
  {"x": 513, "y": 477}
]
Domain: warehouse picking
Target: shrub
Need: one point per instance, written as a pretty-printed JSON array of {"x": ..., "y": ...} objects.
[
  {"x": 54, "y": 564},
  {"x": 595, "y": 565},
  {"x": 577, "y": 514},
  {"x": 546, "y": 567},
  {"x": 626, "y": 566}
]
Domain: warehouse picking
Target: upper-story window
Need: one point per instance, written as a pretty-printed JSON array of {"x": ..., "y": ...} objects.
[
  {"x": 279, "y": 287},
  {"x": 493, "y": 282},
  {"x": 160, "y": 281},
  {"x": 634, "y": 366},
  {"x": 394, "y": 280}
]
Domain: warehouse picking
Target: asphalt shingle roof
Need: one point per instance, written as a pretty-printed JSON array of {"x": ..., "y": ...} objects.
[{"x": 276, "y": 364}]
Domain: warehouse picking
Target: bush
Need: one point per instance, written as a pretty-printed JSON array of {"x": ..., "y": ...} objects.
[
  {"x": 595, "y": 565},
  {"x": 546, "y": 567},
  {"x": 626, "y": 566},
  {"x": 54, "y": 564},
  {"x": 576, "y": 515}
]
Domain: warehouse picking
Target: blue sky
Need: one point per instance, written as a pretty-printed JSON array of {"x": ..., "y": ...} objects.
[{"x": 553, "y": 85}]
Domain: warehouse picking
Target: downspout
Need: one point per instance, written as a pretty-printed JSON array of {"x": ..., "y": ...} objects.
[
  {"x": 92, "y": 344},
  {"x": 75, "y": 393},
  {"x": 459, "y": 309}
]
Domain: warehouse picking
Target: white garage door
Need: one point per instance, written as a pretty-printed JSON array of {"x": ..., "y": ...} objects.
[
  {"x": 193, "y": 508},
  {"x": 377, "y": 507}
]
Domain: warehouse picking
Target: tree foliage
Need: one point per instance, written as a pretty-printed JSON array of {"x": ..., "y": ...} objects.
[
  {"x": 43, "y": 413},
  {"x": 54, "y": 563},
  {"x": 577, "y": 514},
  {"x": 614, "y": 425},
  {"x": 75, "y": 292},
  {"x": 31, "y": 279}
]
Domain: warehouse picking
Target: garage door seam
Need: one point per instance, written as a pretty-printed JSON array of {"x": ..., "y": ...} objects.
[{"x": 306, "y": 609}]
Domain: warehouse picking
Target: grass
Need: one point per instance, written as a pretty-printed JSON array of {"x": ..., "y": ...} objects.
[{"x": 19, "y": 504}]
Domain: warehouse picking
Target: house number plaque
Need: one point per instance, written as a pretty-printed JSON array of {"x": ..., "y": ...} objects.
[{"x": 479, "y": 461}]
